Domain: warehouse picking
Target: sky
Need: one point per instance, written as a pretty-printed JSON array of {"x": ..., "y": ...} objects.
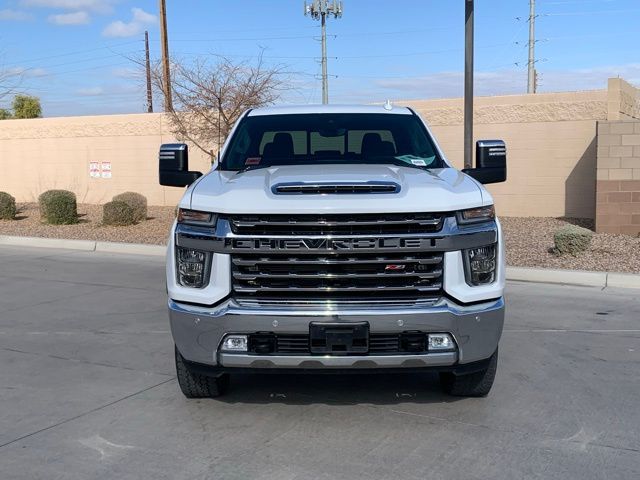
[{"x": 76, "y": 54}]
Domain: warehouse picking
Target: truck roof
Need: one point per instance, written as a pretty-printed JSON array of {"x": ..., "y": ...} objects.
[{"x": 302, "y": 109}]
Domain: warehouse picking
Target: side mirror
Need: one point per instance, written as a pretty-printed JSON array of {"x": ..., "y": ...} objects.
[
  {"x": 174, "y": 166},
  {"x": 491, "y": 162}
]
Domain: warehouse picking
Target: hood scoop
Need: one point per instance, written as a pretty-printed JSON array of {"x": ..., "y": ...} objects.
[{"x": 333, "y": 188}]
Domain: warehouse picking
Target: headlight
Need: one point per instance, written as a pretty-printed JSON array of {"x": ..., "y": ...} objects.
[
  {"x": 195, "y": 217},
  {"x": 480, "y": 265},
  {"x": 476, "y": 215},
  {"x": 192, "y": 267}
]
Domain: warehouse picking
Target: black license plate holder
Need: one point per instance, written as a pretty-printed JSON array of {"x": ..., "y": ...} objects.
[{"x": 339, "y": 338}]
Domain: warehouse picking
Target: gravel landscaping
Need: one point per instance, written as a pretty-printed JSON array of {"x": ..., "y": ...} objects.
[
  {"x": 529, "y": 241},
  {"x": 28, "y": 224}
]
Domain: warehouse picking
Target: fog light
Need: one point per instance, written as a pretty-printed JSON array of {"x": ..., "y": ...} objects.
[
  {"x": 235, "y": 343},
  {"x": 440, "y": 342}
]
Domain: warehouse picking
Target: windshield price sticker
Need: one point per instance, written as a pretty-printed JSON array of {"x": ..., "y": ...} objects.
[{"x": 253, "y": 161}]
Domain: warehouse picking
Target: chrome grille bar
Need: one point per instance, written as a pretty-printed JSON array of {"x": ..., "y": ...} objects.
[
  {"x": 243, "y": 261},
  {"x": 320, "y": 289},
  {"x": 251, "y": 224},
  {"x": 294, "y": 275},
  {"x": 350, "y": 224}
]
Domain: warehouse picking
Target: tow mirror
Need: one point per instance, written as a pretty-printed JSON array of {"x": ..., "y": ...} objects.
[
  {"x": 174, "y": 166},
  {"x": 491, "y": 162}
]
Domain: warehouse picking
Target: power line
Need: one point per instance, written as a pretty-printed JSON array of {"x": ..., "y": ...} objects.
[
  {"x": 343, "y": 57},
  {"x": 107, "y": 47},
  {"x": 573, "y": 2},
  {"x": 569, "y": 2},
  {"x": 587, "y": 12},
  {"x": 96, "y": 67},
  {"x": 75, "y": 62}
]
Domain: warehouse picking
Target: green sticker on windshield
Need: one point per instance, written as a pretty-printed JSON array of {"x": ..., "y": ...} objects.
[{"x": 417, "y": 161}]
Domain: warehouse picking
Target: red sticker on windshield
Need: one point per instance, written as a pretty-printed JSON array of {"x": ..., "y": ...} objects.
[{"x": 253, "y": 161}]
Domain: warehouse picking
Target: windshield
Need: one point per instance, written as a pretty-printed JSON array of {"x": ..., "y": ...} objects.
[{"x": 323, "y": 138}]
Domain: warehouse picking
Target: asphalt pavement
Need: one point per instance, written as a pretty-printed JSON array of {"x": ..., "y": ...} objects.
[{"x": 87, "y": 391}]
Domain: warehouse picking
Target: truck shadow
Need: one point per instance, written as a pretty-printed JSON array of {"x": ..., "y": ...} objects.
[{"x": 347, "y": 389}]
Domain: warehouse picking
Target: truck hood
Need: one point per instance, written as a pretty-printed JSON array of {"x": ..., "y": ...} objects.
[{"x": 251, "y": 192}]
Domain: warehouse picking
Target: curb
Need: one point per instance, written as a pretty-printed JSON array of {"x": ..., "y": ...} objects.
[
  {"x": 582, "y": 278},
  {"x": 563, "y": 277},
  {"x": 521, "y": 274},
  {"x": 84, "y": 245}
]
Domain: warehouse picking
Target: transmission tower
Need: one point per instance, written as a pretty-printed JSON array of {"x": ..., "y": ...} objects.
[{"x": 318, "y": 10}]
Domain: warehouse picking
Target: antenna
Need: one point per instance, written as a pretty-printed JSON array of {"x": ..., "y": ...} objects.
[{"x": 318, "y": 10}]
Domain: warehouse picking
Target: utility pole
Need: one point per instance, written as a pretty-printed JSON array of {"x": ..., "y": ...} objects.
[
  {"x": 319, "y": 9},
  {"x": 531, "y": 86},
  {"x": 168, "y": 102},
  {"x": 148, "y": 65},
  {"x": 468, "y": 84}
]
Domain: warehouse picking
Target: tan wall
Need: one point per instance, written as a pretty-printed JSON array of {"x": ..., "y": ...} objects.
[
  {"x": 618, "y": 171},
  {"x": 550, "y": 143},
  {"x": 41, "y": 154},
  {"x": 623, "y": 100},
  {"x": 550, "y": 140}
]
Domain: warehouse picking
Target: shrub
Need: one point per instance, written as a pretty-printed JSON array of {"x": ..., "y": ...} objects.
[
  {"x": 58, "y": 207},
  {"x": 137, "y": 202},
  {"x": 118, "y": 213},
  {"x": 7, "y": 206},
  {"x": 572, "y": 239}
]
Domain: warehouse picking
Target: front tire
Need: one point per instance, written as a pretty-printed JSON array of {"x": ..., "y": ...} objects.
[
  {"x": 194, "y": 385},
  {"x": 476, "y": 384}
]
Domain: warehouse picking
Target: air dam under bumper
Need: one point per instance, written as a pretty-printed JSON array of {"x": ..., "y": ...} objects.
[{"x": 198, "y": 332}]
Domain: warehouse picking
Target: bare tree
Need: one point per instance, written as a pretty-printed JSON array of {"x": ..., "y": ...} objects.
[{"x": 208, "y": 97}]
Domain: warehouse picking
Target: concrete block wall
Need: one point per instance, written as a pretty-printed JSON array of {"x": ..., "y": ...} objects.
[
  {"x": 551, "y": 144},
  {"x": 623, "y": 100},
  {"x": 618, "y": 174},
  {"x": 56, "y": 153},
  {"x": 551, "y": 147}
]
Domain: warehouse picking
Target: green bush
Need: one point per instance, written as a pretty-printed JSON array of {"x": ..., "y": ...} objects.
[
  {"x": 137, "y": 202},
  {"x": 117, "y": 213},
  {"x": 572, "y": 239},
  {"x": 7, "y": 206},
  {"x": 58, "y": 207}
]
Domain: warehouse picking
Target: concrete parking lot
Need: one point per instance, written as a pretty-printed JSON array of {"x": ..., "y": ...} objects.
[{"x": 87, "y": 391}]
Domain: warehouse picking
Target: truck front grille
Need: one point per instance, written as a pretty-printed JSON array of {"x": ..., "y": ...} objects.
[
  {"x": 356, "y": 224},
  {"x": 343, "y": 277}
]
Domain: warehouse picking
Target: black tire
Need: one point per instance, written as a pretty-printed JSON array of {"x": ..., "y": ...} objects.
[
  {"x": 194, "y": 385},
  {"x": 476, "y": 384}
]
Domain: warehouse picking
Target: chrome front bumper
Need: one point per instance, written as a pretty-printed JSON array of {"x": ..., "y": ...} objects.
[
  {"x": 309, "y": 362},
  {"x": 198, "y": 332}
]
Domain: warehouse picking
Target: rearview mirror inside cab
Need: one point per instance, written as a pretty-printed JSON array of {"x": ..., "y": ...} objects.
[
  {"x": 174, "y": 166},
  {"x": 491, "y": 162}
]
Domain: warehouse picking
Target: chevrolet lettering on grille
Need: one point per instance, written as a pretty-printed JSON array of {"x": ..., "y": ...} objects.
[{"x": 328, "y": 244}]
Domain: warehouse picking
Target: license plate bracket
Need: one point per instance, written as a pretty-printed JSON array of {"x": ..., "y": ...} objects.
[{"x": 339, "y": 338}]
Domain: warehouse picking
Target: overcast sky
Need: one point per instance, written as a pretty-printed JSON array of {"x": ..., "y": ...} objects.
[{"x": 73, "y": 54}]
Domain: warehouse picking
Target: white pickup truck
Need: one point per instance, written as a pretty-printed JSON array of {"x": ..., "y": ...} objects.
[{"x": 335, "y": 239}]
